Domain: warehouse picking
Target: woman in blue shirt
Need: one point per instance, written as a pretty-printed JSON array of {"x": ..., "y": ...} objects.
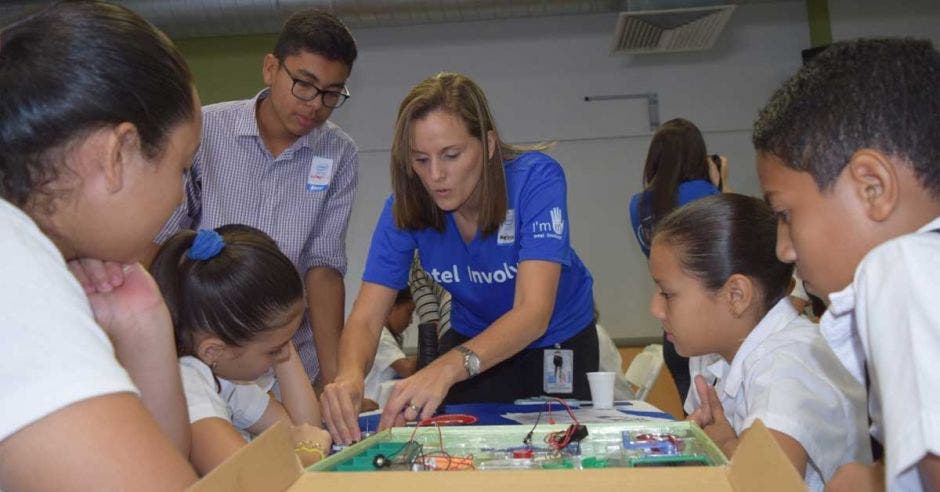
[
  {"x": 490, "y": 223},
  {"x": 678, "y": 170}
]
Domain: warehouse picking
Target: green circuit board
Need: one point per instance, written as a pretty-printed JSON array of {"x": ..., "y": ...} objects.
[{"x": 504, "y": 447}]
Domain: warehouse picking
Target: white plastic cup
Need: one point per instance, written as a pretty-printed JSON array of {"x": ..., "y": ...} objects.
[{"x": 602, "y": 389}]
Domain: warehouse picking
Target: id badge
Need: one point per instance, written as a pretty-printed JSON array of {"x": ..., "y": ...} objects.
[
  {"x": 321, "y": 171},
  {"x": 558, "y": 370}
]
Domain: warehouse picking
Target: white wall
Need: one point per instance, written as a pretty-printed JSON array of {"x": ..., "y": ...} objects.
[
  {"x": 536, "y": 73},
  {"x": 872, "y": 18}
]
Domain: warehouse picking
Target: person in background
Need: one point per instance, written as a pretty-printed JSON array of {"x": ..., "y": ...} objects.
[
  {"x": 236, "y": 301},
  {"x": 98, "y": 120},
  {"x": 490, "y": 223},
  {"x": 390, "y": 361},
  {"x": 678, "y": 170},
  {"x": 275, "y": 162},
  {"x": 722, "y": 299},
  {"x": 849, "y": 160}
]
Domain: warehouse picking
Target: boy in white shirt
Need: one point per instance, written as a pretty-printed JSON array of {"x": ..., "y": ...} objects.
[{"x": 849, "y": 159}]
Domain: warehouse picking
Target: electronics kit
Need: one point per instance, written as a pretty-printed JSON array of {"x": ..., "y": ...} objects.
[{"x": 439, "y": 445}]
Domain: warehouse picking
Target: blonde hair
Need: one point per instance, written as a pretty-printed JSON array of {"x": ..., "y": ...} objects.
[{"x": 461, "y": 97}]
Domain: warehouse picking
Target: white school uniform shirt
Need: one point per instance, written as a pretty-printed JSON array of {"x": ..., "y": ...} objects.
[
  {"x": 53, "y": 353},
  {"x": 386, "y": 353},
  {"x": 786, "y": 375},
  {"x": 895, "y": 301},
  {"x": 239, "y": 403},
  {"x": 798, "y": 290},
  {"x": 837, "y": 326}
]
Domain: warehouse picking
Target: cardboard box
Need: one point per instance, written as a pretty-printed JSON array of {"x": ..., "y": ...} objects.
[
  {"x": 269, "y": 464},
  {"x": 488, "y": 445}
]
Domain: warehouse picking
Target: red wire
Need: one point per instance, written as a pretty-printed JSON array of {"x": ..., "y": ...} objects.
[
  {"x": 564, "y": 404},
  {"x": 441, "y": 453},
  {"x": 450, "y": 419},
  {"x": 553, "y": 438}
]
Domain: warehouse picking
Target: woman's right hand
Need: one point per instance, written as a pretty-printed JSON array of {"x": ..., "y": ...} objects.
[{"x": 340, "y": 402}]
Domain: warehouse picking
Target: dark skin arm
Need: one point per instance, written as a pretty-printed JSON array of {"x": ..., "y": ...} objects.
[
  {"x": 108, "y": 442},
  {"x": 405, "y": 367}
]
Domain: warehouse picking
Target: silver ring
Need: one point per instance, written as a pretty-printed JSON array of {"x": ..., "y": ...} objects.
[{"x": 414, "y": 407}]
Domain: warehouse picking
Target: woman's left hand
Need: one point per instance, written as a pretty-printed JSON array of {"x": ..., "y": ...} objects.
[{"x": 417, "y": 397}]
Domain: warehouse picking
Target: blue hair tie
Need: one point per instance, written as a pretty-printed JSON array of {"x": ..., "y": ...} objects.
[{"x": 207, "y": 245}]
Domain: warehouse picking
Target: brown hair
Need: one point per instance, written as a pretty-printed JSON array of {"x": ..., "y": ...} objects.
[
  {"x": 319, "y": 32},
  {"x": 236, "y": 294},
  {"x": 463, "y": 98},
  {"x": 676, "y": 154},
  {"x": 866, "y": 93}
]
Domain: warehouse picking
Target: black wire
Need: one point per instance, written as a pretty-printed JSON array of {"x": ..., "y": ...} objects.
[{"x": 527, "y": 440}]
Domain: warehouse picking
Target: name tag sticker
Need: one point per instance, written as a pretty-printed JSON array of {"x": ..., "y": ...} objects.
[{"x": 321, "y": 171}]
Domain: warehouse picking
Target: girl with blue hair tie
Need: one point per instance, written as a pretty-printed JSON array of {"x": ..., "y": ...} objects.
[{"x": 236, "y": 301}]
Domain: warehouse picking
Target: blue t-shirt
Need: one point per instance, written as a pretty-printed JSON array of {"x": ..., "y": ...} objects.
[
  {"x": 481, "y": 275},
  {"x": 688, "y": 191}
]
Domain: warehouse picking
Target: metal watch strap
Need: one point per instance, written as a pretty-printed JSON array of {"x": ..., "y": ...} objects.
[{"x": 471, "y": 361}]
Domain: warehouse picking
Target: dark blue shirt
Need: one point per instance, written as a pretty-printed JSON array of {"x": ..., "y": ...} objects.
[{"x": 688, "y": 191}]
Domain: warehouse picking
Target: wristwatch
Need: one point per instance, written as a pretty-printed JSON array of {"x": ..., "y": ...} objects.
[{"x": 471, "y": 362}]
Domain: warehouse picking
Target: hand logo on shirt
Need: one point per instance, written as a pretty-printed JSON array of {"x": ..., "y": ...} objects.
[{"x": 558, "y": 224}]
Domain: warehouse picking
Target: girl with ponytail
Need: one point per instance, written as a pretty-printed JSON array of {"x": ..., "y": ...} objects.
[{"x": 236, "y": 301}]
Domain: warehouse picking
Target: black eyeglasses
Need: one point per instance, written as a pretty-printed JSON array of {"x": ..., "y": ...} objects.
[{"x": 301, "y": 89}]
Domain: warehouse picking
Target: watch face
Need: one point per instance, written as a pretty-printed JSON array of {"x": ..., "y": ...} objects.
[{"x": 471, "y": 362}]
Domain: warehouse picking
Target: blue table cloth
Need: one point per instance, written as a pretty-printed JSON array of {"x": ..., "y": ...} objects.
[{"x": 491, "y": 413}]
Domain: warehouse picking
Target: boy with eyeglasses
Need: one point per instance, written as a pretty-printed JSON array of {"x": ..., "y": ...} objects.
[{"x": 276, "y": 163}]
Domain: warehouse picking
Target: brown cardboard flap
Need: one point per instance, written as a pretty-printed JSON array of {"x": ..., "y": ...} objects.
[
  {"x": 760, "y": 464},
  {"x": 268, "y": 463},
  {"x": 691, "y": 479}
]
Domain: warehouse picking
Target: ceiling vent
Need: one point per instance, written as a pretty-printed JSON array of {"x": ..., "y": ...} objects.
[
  {"x": 667, "y": 31},
  {"x": 199, "y": 18}
]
